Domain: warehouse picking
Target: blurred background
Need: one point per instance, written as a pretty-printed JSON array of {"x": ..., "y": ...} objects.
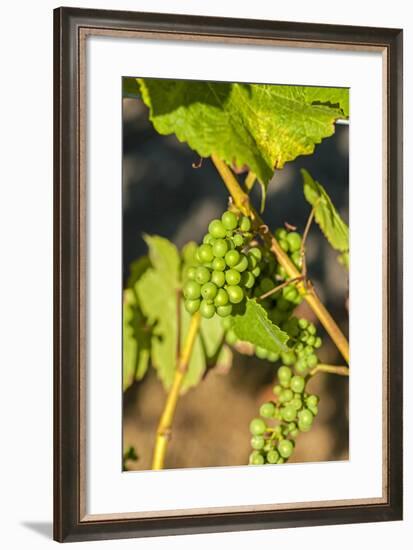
[{"x": 163, "y": 194}]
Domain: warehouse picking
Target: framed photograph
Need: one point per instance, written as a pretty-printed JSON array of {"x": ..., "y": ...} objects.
[{"x": 228, "y": 228}]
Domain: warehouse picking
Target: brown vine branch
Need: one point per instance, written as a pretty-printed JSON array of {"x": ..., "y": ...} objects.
[
  {"x": 241, "y": 200},
  {"x": 332, "y": 369},
  {"x": 164, "y": 431}
]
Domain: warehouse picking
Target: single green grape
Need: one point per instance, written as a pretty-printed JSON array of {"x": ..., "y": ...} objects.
[
  {"x": 232, "y": 276},
  {"x": 257, "y": 426},
  {"x": 218, "y": 264},
  {"x": 217, "y": 229},
  {"x": 297, "y": 384},
  {"x": 229, "y": 220},
  {"x": 257, "y": 442},
  {"x": 256, "y": 458},
  {"x": 311, "y": 329},
  {"x": 221, "y": 299},
  {"x": 284, "y": 244},
  {"x": 248, "y": 279},
  {"x": 232, "y": 257},
  {"x": 313, "y": 409},
  {"x": 209, "y": 291},
  {"x": 297, "y": 259},
  {"x": 256, "y": 271},
  {"x": 290, "y": 293},
  {"x": 238, "y": 240},
  {"x": 294, "y": 241},
  {"x": 219, "y": 248},
  {"x": 281, "y": 233},
  {"x": 235, "y": 293},
  {"x": 245, "y": 224},
  {"x": 224, "y": 311},
  {"x": 192, "y": 290},
  {"x": 266, "y": 284},
  {"x": 272, "y": 456},
  {"x": 296, "y": 403},
  {"x": 318, "y": 343},
  {"x": 202, "y": 275},
  {"x": 242, "y": 265},
  {"x": 282, "y": 274},
  {"x": 304, "y": 336},
  {"x": 286, "y": 396},
  {"x": 191, "y": 273},
  {"x": 312, "y": 361},
  {"x": 312, "y": 400},
  {"x": 285, "y": 448},
  {"x": 288, "y": 357},
  {"x": 277, "y": 389},
  {"x": 261, "y": 353},
  {"x": 207, "y": 310},
  {"x": 192, "y": 306},
  {"x": 303, "y": 323},
  {"x": 284, "y": 373},
  {"x": 273, "y": 356},
  {"x": 205, "y": 253},
  {"x": 301, "y": 366},
  {"x": 256, "y": 252},
  {"x": 267, "y": 410},
  {"x": 288, "y": 413},
  {"x": 305, "y": 417},
  {"x": 208, "y": 239},
  {"x": 218, "y": 278}
]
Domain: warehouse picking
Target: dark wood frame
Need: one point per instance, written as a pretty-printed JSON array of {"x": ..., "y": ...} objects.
[{"x": 70, "y": 520}]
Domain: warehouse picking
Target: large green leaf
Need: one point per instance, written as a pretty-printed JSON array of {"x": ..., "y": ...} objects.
[
  {"x": 258, "y": 125},
  {"x": 254, "y": 326},
  {"x": 327, "y": 217}
]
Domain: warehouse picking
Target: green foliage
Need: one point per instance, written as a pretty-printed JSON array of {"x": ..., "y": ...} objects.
[
  {"x": 330, "y": 222},
  {"x": 130, "y": 88},
  {"x": 254, "y": 326},
  {"x": 255, "y": 125}
]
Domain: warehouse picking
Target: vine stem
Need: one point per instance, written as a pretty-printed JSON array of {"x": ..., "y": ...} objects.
[
  {"x": 164, "y": 430},
  {"x": 331, "y": 369},
  {"x": 241, "y": 200}
]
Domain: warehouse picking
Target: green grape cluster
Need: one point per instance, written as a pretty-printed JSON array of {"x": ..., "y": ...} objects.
[
  {"x": 304, "y": 342},
  {"x": 292, "y": 411},
  {"x": 226, "y": 269}
]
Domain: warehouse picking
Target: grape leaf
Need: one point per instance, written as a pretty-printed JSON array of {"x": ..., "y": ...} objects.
[
  {"x": 136, "y": 337},
  {"x": 254, "y": 326},
  {"x": 327, "y": 217},
  {"x": 260, "y": 126}
]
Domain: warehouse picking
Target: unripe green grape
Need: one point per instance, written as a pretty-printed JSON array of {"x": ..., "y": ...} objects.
[
  {"x": 235, "y": 293},
  {"x": 217, "y": 229},
  {"x": 202, "y": 275},
  {"x": 297, "y": 259},
  {"x": 261, "y": 353},
  {"x": 229, "y": 220},
  {"x": 297, "y": 384},
  {"x": 286, "y": 396},
  {"x": 191, "y": 273},
  {"x": 220, "y": 248},
  {"x": 256, "y": 271},
  {"x": 221, "y": 299},
  {"x": 272, "y": 456},
  {"x": 301, "y": 366},
  {"x": 283, "y": 304},
  {"x": 192, "y": 290},
  {"x": 267, "y": 410},
  {"x": 257, "y": 442},
  {"x": 285, "y": 448},
  {"x": 299, "y": 347},
  {"x": 281, "y": 272},
  {"x": 303, "y": 323},
  {"x": 290, "y": 293},
  {"x": 294, "y": 241},
  {"x": 288, "y": 357},
  {"x": 311, "y": 329},
  {"x": 280, "y": 233},
  {"x": 303, "y": 427},
  {"x": 308, "y": 350},
  {"x": 256, "y": 252},
  {"x": 207, "y": 310},
  {"x": 273, "y": 356},
  {"x": 318, "y": 343},
  {"x": 277, "y": 389},
  {"x": 205, "y": 253},
  {"x": 224, "y": 311},
  {"x": 284, "y": 244},
  {"x": 208, "y": 239},
  {"x": 284, "y": 373},
  {"x": 301, "y": 354},
  {"x": 312, "y": 400},
  {"x": 256, "y": 458},
  {"x": 232, "y": 257},
  {"x": 294, "y": 432},
  {"x": 252, "y": 261},
  {"x": 285, "y": 383},
  {"x": 245, "y": 224},
  {"x": 312, "y": 361},
  {"x": 209, "y": 291},
  {"x": 281, "y": 460},
  {"x": 257, "y": 426},
  {"x": 218, "y": 278},
  {"x": 218, "y": 264},
  {"x": 192, "y": 306},
  {"x": 305, "y": 417},
  {"x": 232, "y": 276},
  {"x": 248, "y": 279},
  {"x": 296, "y": 403},
  {"x": 238, "y": 240},
  {"x": 288, "y": 413},
  {"x": 242, "y": 265},
  {"x": 231, "y": 338}
]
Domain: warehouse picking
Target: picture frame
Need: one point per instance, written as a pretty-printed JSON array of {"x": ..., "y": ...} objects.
[{"x": 72, "y": 28}]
